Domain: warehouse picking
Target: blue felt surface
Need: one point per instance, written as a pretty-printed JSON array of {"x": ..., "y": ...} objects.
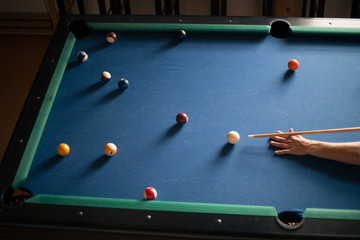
[{"x": 223, "y": 83}]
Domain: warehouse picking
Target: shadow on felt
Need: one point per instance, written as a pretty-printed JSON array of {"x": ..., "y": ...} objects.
[
  {"x": 99, "y": 162},
  {"x": 110, "y": 96},
  {"x": 90, "y": 89},
  {"x": 171, "y": 44},
  {"x": 97, "y": 47},
  {"x": 288, "y": 75},
  {"x": 224, "y": 152},
  {"x": 226, "y": 149},
  {"x": 51, "y": 162},
  {"x": 170, "y": 132},
  {"x": 72, "y": 65}
]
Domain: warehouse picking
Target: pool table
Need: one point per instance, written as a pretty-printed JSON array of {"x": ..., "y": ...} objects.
[{"x": 227, "y": 74}]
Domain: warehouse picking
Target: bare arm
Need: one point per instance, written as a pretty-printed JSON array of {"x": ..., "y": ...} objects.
[{"x": 348, "y": 153}]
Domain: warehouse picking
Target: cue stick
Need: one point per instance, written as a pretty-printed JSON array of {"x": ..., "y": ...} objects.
[{"x": 336, "y": 130}]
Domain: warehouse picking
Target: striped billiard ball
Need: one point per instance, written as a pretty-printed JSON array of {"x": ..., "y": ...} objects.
[
  {"x": 150, "y": 193},
  {"x": 82, "y": 56},
  {"x": 111, "y": 37},
  {"x": 110, "y": 149},
  {"x": 105, "y": 77},
  {"x": 123, "y": 84}
]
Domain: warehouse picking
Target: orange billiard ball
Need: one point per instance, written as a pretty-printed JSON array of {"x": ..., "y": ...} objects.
[
  {"x": 63, "y": 149},
  {"x": 293, "y": 64},
  {"x": 110, "y": 149}
]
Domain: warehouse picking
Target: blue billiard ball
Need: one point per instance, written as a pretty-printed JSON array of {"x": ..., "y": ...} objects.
[
  {"x": 105, "y": 77},
  {"x": 123, "y": 84},
  {"x": 82, "y": 56}
]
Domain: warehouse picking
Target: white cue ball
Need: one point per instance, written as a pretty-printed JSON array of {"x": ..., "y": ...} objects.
[{"x": 233, "y": 137}]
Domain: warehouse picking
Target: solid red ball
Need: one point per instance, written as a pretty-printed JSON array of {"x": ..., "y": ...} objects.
[
  {"x": 293, "y": 64},
  {"x": 182, "y": 118}
]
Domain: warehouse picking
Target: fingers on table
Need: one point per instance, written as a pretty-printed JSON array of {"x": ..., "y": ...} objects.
[
  {"x": 286, "y": 148},
  {"x": 283, "y": 151},
  {"x": 280, "y": 138},
  {"x": 279, "y": 144}
]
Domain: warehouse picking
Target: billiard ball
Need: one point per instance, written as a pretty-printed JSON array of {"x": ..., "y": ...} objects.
[
  {"x": 233, "y": 137},
  {"x": 182, "y": 118},
  {"x": 150, "y": 193},
  {"x": 110, "y": 149},
  {"x": 63, "y": 149},
  {"x": 123, "y": 84},
  {"x": 111, "y": 37},
  {"x": 105, "y": 77},
  {"x": 82, "y": 56},
  {"x": 181, "y": 34},
  {"x": 293, "y": 64}
]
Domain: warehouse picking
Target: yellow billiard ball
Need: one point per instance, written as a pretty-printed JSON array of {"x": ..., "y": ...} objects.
[
  {"x": 63, "y": 149},
  {"x": 110, "y": 149},
  {"x": 233, "y": 137}
]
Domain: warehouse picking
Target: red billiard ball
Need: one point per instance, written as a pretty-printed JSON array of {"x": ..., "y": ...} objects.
[
  {"x": 150, "y": 193},
  {"x": 111, "y": 37},
  {"x": 293, "y": 64},
  {"x": 182, "y": 118}
]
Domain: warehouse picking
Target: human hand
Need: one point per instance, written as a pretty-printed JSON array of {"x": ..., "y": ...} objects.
[{"x": 295, "y": 144}]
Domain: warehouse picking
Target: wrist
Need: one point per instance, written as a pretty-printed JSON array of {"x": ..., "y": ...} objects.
[{"x": 313, "y": 147}]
